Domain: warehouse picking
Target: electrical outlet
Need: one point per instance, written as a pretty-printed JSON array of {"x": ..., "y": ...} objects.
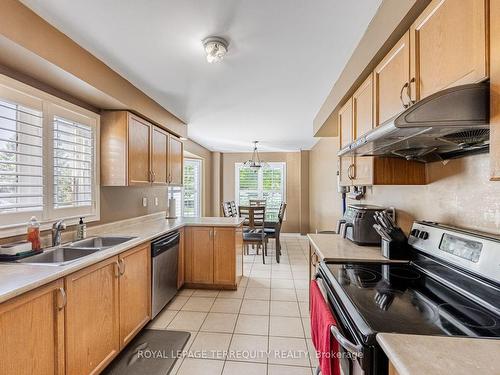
[
  {"x": 156, "y": 201},
  {"x": 144, "y": 201}
]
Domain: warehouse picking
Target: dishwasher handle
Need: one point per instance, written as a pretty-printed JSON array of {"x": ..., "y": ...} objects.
[{"x": 164, "y": 244}]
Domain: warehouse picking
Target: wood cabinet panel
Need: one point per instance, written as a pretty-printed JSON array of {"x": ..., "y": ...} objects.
[
  {"x": 199, "y": 252},
  {"x": 92, "y": 317},
  {"x": 159, "y": 153},
  {"x": 389, "y": 78},
  {"x": 32, "y": 329},
  {"x": 182, "y": 262},
  {"x": 346, "y": 136},
  {"x": 362, "y": 108},
  {"x": 224, "y": 256},
  {"x": 449, "y": 45},
  {"x": 139, "y": 138},
  {"x": 495, "y": 90},
  {"x": 175, "y": 160},
  {"x": 135, "y": 291}
]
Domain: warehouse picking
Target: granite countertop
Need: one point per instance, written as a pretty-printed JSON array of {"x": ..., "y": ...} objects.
[
  {"x": 18, "y": 278},
  {"x": 332, "y": 247},
  {"x": 436, "y": 355}
]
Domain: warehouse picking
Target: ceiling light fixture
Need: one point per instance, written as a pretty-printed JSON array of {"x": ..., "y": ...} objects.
[
  {"x": 255, "y": 162},
  {"x": 215, "y": 48}
]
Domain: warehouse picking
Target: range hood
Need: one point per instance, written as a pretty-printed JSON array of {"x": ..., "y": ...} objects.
[{"x": 448, "y": 124}]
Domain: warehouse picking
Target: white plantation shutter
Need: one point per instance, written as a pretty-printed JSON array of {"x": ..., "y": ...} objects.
[
  {"x": 263, "y": 183},
  {"x": 21, "y": 157},
  {"x": 191, "y": 191}
]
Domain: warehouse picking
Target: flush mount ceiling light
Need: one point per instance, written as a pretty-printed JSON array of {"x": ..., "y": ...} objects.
[
  {"x": 215, "y": 48},
  {"x": 255, "y": 162}
]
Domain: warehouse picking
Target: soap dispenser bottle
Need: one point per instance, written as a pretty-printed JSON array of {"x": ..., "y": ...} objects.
[{"x": 81, "y": 230}]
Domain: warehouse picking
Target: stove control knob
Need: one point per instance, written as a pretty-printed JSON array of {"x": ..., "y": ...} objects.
[
  {"x": 415, "y": 232},
  {"x": 423, "y": 235}
]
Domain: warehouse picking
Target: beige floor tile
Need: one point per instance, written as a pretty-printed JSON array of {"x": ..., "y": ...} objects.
[
  {"x": 307, "y": 327},
  {"x": 282, "y": 283},
  {"x": 243, "y": 281},
  {"x": 252, "y": 325},
  {"x": 285, "y": 326},
  {"x": 187, "y": 321},
  {"x": 219, "y": 322},
  {"x": 282, "y": 275},
  {"x": 192, "y": 366},
  {"x": 248, "y": 348},
  {"x": 177, "y": 302},
  {"x": 304, "y": 309},
  {"x": 162, "y": 320},
  {"x": 185, "y": 292},
  {"x": 258, "y": 293},
  {"x": 255, "y": 307},
  {"x": 285, "y": 308},
  {"x": 312, "y": 353},
  {"x": 232, "y": 293},
  {"x": 258, "y": 282},
  {"x": 244, "y": 368},
  {"x": 210, "y": 345},
  {"x": 303, "y": 295},
  {"x": 205, "y": 293},
  {"x": 288, "y": 370},
  {"x": 301, "y": 284},
  {"x": 226, "y": 305},
  {"x": 198, "y": 304},
  {"x": 283, "y": 295},
  {"x": 288, "y": 351}
]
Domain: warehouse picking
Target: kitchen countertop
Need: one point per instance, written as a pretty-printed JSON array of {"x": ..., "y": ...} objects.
[
  {"x": 436, "y": 355},
  {"x": 18, "y": 278},
  {"x": 332, "y": 247}
]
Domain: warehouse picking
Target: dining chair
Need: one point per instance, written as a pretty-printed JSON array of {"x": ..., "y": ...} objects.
[
  {"x": 257, "y": 202},
  {"x": 254, "y": 233},
  {"x": 226, "y": 209},
  {"x": 234, "y": 210},
  {"x": 273, "y": 230}
]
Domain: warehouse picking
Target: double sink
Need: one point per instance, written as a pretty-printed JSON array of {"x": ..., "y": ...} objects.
[{"x": 59, "y": 256}]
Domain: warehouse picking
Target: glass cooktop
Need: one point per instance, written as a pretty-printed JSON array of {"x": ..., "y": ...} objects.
[{"x": 400, "y": 298}]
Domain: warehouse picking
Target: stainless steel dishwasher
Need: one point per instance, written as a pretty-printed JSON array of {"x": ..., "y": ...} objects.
[{"x": 165, "y": 255}]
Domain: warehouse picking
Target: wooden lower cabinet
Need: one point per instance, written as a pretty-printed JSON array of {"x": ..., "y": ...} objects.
[
  {"x": 392, "y": 369},
  {"x": 32, "y": 332},
  {"x": 92, "y": 317},
  {"x": 181, "y": 263},
  {"x": 213, "y": 256},
  {"x": 135, "y": 291}
]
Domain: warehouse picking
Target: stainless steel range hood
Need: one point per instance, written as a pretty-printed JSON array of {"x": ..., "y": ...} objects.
[{"x": 448, "y": 124}]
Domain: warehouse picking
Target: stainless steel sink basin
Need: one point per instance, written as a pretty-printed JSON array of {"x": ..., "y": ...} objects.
[
  {"x": 58, "y": 256},
  {"x": 101, "y": 241}
]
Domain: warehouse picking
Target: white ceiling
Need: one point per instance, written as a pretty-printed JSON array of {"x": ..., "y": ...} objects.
[{"x": 284, "y": 56}]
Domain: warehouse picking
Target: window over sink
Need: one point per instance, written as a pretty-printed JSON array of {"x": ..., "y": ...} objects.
[{"x": 48, "y": 158}]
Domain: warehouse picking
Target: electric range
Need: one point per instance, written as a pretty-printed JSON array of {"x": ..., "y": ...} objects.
[{"x": 451, "y": 287}]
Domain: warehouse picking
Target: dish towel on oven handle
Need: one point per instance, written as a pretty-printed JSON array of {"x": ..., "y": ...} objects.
[{"x": 326, "y": 346}]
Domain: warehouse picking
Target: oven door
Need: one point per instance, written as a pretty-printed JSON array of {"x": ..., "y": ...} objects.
[{"x": 355, "y": 358}]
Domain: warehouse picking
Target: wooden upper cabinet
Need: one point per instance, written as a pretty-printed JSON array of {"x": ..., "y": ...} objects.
[
  {"x": 346, "y": 136},
  {"x": 391, "y": 78},
  {"x": 135, "y": 152},
  {"x": 362, "y": 109},
  {"x": 92, "y": 317},
  {"x": 135, "y": 291},
  {"x": 32, "y": 329},
  {"x": 449, "y": 46},
  {"x": 159, "y": 156},
  {"x": 175, "y": 161},
  {"x": 224, "y": 256},
  {"x": 139, "y": 145}
]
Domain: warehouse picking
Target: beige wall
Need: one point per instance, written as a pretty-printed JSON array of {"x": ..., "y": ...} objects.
[
  {"x": 293, "y": 182},
  {"x": 460, "y": 193}
]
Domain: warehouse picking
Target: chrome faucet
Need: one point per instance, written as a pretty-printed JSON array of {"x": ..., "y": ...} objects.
[{"x": 57, "y": 227}]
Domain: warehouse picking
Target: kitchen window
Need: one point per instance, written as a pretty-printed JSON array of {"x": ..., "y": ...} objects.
[
  {"x": 188, "y": 197},
  {"x": 48, "y": 159},
  {"x": 264, "y": 183}
]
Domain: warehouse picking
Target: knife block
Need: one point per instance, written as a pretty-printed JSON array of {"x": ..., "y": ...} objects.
[{"x": 395, "y": 250}]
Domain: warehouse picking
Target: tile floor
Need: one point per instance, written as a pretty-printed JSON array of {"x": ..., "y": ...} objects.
[{"x": 260, "y": 329}]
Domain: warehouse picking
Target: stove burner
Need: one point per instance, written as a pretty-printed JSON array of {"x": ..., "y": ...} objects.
[
  {"x": 404, "y": 273},
  {"x": 364, "y": 275},
  {"x": 469, "y": 316}
]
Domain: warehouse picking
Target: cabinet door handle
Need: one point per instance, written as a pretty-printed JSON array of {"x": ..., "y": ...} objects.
[
  {"x": 408, "y": 92},
  {"x": 64, "y": 299},
  {"x": 215, "y": 233},
  {"x": 153, "y": 176},
  {"x": 117, "y": 269},
  {"x": 405, "y": 86},
  {"x": 353, "y": 171},
  {"x": 121, "y": 263},
  {"x": 349, "y": 174}
]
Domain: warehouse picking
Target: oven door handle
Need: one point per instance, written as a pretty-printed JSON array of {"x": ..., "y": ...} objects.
[{"x": 345, "y": 343}]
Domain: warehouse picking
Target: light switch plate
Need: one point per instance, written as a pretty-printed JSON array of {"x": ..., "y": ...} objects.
[
  {"x": 144, "y": 201},
  {"x": 156, "y": 201}
]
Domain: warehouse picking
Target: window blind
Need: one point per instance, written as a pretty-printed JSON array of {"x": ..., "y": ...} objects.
[
  {"x": 21, "y": 166},
  {"x": 191, "y": 197},
  {"x": 73, "y": 164}
]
